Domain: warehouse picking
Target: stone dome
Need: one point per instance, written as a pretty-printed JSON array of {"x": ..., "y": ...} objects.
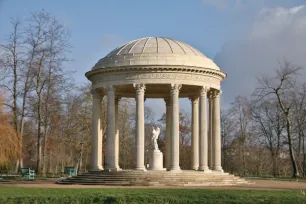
[{"x": 155, "y": 51}]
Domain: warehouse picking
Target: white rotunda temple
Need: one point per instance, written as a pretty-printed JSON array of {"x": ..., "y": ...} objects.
[{"x": 158, "y": 67}]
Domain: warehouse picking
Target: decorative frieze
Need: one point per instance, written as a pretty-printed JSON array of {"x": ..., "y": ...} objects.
[
  {"x": 153, "y": 69},
  {"x": 132, "y": 76}
]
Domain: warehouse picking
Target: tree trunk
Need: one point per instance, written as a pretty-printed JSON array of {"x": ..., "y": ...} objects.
[
  {"x": 15, "y": 80},
  {"x": 274, "y": 162},
  {"x": 291, "y": 150},
  {"x": 39, "y": 88},
  {"x": 38, "y": 153},
  {"x": 304, "y": 156}
]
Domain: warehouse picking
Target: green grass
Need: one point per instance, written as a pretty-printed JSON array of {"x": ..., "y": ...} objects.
[{"x": 10, "y": 195}]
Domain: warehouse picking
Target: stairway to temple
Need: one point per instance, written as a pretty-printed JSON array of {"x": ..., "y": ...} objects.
[{"x": 155, "y": 178}]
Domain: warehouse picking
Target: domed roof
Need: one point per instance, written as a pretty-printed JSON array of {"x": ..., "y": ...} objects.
[{"x": 155, "y": 51}]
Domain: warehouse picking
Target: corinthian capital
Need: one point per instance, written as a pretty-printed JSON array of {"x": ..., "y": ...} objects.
[
  {"x": 175, "y": 88},
  {"x": 109, "y": 89},
  {"x": 140, "y": 88},
  {"x": 204, "y": 90},
  {"x": 194, "y": 100},
  {"x": 215, "y": 93}
]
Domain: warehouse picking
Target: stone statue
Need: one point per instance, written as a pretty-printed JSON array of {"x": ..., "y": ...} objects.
[{"x": 155, "y": 134}]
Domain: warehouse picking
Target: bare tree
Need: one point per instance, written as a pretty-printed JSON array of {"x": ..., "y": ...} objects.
[
  {"x": 281, "y": 87},
  {"x": 270, "y": 124},
  {"x": 11, "y": 68},
  {"x": 48, "y": 43},
  {"x": 31, "y": 63},
  {"x": 299, "y": 127},
  {"x": 227, "y": 131},
  {"x": 126, "y": 118},
  {"x": 241, "y": 113},
  {"x": 9, "y": 139}
]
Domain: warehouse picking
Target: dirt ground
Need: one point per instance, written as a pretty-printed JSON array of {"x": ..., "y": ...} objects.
[{"x": 256, "y": 185}]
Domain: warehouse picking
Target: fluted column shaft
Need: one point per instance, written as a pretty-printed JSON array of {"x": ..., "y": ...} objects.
[
  {"x": 168, "y": 131},
  {"x": 175, "y": 139},
  {"x": 210, "y": 132},
  {"x": 116, "y": 139},
  {"x": 195, "y": 133},
  {"x": 110, "y": 130},
  {"x": 140, "y": 90},
  {"x": 203, "y": 163},
  {"x": 96, "y": 152},
  {"x": 217, "y": 131}
]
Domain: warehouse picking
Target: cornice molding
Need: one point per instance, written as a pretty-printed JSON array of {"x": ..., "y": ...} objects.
[{"x": 149, "y": 69}]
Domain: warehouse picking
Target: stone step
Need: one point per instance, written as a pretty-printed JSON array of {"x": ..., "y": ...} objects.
[
  {"x": 158, "y": 178},
  {"x": 118, "y": 176},
  {"x": 159, "y": 174},
  {"x": 152, "y": 183},
  {"x": 156, "y": 173},
  {"x": 96, "y": 182},
  {"x": 165, "y": 177}
]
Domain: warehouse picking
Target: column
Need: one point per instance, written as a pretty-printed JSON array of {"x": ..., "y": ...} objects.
[
  {"x": 203, "y": 166},
  {"x": 195, "y": 133},
  {"x": 168, "y": 128},
  {"x": 175, "y": 138},
  {"x": 96, "y": 152},
  {"x": 110, "y": 130},
  {"x": 140, "y": 89},
  {"x": 210, "y": 132},
  {"x": 217, "y": 131},
  {"x": 116, "y": 139},
  {"x": 103, "y": 126}
]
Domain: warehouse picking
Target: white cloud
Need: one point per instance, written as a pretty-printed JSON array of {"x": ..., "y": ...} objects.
[
  {"x": 276, "y": 34},
  {"x": 272, "y": 22}
]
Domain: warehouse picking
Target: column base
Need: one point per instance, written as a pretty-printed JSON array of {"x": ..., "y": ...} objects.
[
  {"x": 204, "y": 168},
  {"x": 140, "y": 169},
  {"x": 175, "y": 169},
  {"x": 98, "y": 168},
  {"x": 113, "y": 169},
  {"x": 218, "y": 169},
  {"x": 195, "y": 168}
]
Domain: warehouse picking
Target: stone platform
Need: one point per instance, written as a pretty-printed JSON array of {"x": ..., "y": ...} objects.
[{"x": 155, "y": 178}]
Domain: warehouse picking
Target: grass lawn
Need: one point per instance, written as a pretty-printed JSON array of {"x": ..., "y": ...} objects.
[{"x": 34, "y": 195}]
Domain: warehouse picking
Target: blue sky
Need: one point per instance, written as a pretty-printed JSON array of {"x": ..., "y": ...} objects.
[{"x": 99, "y": 26}]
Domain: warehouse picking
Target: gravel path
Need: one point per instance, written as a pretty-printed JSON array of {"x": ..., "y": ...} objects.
[{"x": 256, "y": 185}]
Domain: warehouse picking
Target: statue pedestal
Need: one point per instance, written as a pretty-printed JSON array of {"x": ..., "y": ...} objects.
[{"x": 156, "y": 160}]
